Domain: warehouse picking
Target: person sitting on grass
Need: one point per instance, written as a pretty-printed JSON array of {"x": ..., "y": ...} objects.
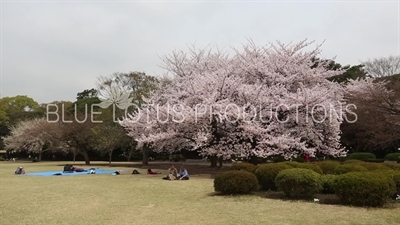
[
  {"x": 183, "y": 174},
  {"x": 172, "y": 173},
  {"x": 152, "y": 172}
]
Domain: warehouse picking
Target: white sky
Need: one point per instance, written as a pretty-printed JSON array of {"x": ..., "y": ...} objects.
[{"x": 53, "y": 50}]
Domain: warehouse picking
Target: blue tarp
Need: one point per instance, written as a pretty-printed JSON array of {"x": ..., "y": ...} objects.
[{"x": 52, "y": 173}]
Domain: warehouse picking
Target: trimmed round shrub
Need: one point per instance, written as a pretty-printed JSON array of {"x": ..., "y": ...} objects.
[
  {"x": 306, "y": 165},
  {"x": 395, "y": 176},
  {"x": 364, "y": 189},
  {"x": 328, "y": 166},
  {"x": 293, "y": 164},
  {"x": 244, "y": 166},
  {"x": 391, "y": 174},
  {"x": 393, "y": 166},
  {"x": 299, "y": 183},
  {"x": 267, "y": 173},
  {"x": 375, "y": 160},
  {"x": 375, "y": 166},
  {"x": 235, "y": 182},
  {"x": 353, "y": 161},
  {"x": 327, "y": 183},
  {"x": 311, "y": 166},
  {"x": 361, "y": 156},
  {"x": 393, "y": 157},
  {"x": 347, "y": 168}
]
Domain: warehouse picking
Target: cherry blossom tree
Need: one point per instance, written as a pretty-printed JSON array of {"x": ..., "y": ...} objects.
[
  {"x": 260, "y": 102},
  {"x": 378, "y": 114},
  {"x": 31, "y": 136}
]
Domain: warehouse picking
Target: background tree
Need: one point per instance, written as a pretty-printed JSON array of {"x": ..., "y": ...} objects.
[
  {"x": 382, "y": 67},
  {"x": 378, "y": 115},
  {"x": 137, "y": 86},
  {"x": 32, "y": 136},
  {"x": 108, "y": 138},
  {"x": 16, "y": 109}
]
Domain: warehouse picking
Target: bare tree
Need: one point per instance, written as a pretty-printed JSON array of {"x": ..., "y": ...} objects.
[{"x": 382, "y": 67}]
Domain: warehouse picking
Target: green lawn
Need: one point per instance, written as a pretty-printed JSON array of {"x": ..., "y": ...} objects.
[{"x": 147, "y": 199}]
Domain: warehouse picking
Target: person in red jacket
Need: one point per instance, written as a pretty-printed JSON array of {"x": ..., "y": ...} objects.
[{"x": 152, "y": 172}]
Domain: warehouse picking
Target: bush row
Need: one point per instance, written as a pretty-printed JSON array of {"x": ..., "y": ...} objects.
[{"x": 355, "y": 183}]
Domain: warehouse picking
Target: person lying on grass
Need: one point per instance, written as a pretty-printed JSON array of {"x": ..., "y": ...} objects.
[
  {"x": 152, "y": 172},
  {"x": 183, "y": 174}
]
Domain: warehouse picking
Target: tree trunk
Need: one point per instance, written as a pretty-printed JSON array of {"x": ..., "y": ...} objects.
[
  {"x": 110, "y": 154},
  {"x": 220, "y": 161},
  {"x": 213, "y": 160},
  {"x": 86, "y": 156},
  {"x": 40, "y": 156},
  {"x": 130, "y": 154},
  {"x": 146, "y": 153},
  {"x": 74, "y": 157}
]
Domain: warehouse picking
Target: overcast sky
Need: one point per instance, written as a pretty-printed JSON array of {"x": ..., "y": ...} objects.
[{"x": 53, "y": 50}]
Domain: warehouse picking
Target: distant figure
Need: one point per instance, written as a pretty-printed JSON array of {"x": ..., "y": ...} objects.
[
  {"x": 152, "y": 172},
  {"x": 172, "y": 173},
  {"x": 307, "y": 158},
  {"x": 183, "y": 174},
  {"x": 20, "y": 170}
]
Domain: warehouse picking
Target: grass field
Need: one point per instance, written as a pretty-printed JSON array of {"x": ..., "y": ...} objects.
[{"x": 147, "y": 199}]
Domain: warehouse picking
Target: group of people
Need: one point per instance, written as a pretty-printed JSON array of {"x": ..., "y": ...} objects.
[{"x": 174, "y": 174}]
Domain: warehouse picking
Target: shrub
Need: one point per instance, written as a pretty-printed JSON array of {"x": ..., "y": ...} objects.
[
  {"x": 375, "y": 166},
  {"x": 375, "y": 160},
  {"x": 299, "y": 183},
  {"x": 235, "y": 182},
  {"x": 293, "y": 164},
  {"x": 327, "y": 183},
  {"x": 2, "y": 159},
  {"x": 267, "y": 173},
  {"x": 353, "y": 161},
  {"x": 244, "y": 166},
  {"x": 305, "y": 165},
  {"x": 311, "y": 166},
  {"x": 395, "y": 176},
  {"x": 346, "y": 168},
  {"x": 361, "y": 156},
  {"x": 364, "y": 189},
  {"x": 393, "y": 157},
  {"x": 328, "y": 166},
  {"x": 393, "y": 166}
]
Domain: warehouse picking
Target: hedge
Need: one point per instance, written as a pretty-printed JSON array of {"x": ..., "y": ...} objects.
[
  {"x": 393, "y": 157},
  {"x": 235, "y": 182},
  {"x": 244, "y": 166},
  {"x": 346, "y": 168},
  {"x": 328, "y": 166},
  {"x": 299, "y": 183},
  {"x": 361, "y": 156},
  {"x": 364, "y": 189},
  {"x": 267, "y": 173}
]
